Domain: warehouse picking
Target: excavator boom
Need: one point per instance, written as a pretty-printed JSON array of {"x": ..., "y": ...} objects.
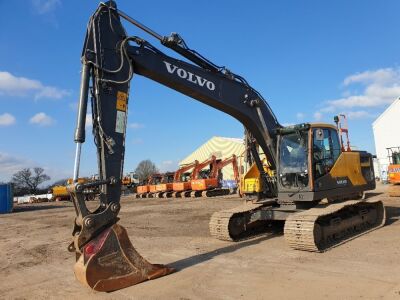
[
  {"x": 212, "y": 161},
  {"x": 183, "y": 169}
]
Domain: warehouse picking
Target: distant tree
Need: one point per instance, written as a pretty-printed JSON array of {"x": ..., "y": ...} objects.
[
  {"x": 26, "y": 181},
  {"x": 144, "y": 169}
]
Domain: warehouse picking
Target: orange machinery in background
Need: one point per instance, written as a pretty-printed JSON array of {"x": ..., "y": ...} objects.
[
  {"x": 145, "y": 191},
  {"x": 179, "y": 185},
  {"x": 165, "y": 185},
  {"x": 394, "y": 171},
  {"x": 187, "y": 186},
  {"x": 210, "y": 187},
  {"x": 161, "y": 178}
]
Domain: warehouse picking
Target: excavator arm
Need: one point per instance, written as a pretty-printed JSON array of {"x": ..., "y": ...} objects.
[
  {"x": 210, "y": 161},
  {"x": 231, "y": 160},
  {"x": 178, "y": 174},
  {"x": 106, "y": 260}
]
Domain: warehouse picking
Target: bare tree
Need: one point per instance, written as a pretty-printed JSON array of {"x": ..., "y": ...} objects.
[
  {"x": 144, "y": 169},
  {"x": 28, "y": 181}
]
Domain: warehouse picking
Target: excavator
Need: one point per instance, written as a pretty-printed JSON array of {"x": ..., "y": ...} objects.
[
  {"x": 129, "y": 182},
  {"x": 211, "y": 186},
  {"x": 198, "y": 174},
  {"x": 394, "y": 171},
  {"x": 165, "y": 186},
  {"x": 318, "y": 190},
  {"x": 179, "y": 185},
  {"x": 147, "y": 190}
]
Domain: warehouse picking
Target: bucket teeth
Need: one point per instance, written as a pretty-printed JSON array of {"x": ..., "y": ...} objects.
[{"x": 110, "y": 262}]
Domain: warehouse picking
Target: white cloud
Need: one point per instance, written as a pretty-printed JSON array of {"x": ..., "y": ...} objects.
[
  {"x": 137, "y": 141},
  {"x": 136, "y": 125},
  {"x": 360, "y": 114},
  {"x": 7, "y": 119},
  {"x": 380, "y": 87},
  {"x": 73, "y": 106},
  {"x": 300, "y": 116},
  {"x": 367, "y": 90},
  {"x": 24, "y": 87},
  {"x": 327, "y": 109},
  {"x": 41, "y": 119},
  {"x": 10, "y": 164},
  {"x": 51, "y": 92},
  {"x": 168, "y": 165},
  {"x": 318, "y": 116},
  {"x": 89, "y": 121},
  {"x": 382, "y": 76},
  {"x": 45, "y": 6}
]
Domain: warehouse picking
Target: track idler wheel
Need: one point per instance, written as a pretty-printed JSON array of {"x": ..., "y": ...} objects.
[{"x": 110, "y": 262}]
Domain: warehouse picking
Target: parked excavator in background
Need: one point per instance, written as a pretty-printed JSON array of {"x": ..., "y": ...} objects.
[
  {"x": 148, "y": 187},
  {"x": 307, "y": 161},
  {"x": 165, "y": 185},
  {"x": 211, "y": 186},
  {"x": 394, "y": 171},
  {"x": 130, "y": 182},
  {"x": 181, "y": 182},
  {"x": 198, "y": 172}
]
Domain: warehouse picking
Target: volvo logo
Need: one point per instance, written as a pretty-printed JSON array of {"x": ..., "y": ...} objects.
[
  {"x": 189, "y": 76},
  {"x": 341, "y": 181}
]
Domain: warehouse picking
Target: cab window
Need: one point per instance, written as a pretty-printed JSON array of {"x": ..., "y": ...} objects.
[{"x": 326, "y": 150}]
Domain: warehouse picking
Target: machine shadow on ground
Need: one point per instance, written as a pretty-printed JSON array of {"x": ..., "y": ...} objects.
[
  {"x": 274, "y": 231},
  {"x": 392, "y": 214},
  {"x": 372, "y": 194},
  {"x": 26, "y": 208}
]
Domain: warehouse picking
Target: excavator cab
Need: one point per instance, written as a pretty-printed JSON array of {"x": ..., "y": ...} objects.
[{"x": 312, "y": 165}]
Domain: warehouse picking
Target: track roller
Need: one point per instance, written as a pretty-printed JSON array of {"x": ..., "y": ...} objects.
[{"x": 195, "y": 194}]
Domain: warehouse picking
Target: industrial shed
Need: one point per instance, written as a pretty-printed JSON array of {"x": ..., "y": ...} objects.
[
  {"x": 221, "y": 147},
  {"x": 386, "y": 134}
]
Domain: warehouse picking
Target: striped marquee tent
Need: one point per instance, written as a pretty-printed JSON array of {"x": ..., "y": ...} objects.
[{"x": 221, "y": 147}]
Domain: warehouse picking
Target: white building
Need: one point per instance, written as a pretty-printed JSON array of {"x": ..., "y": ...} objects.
[
  {"x": 221, "y": 147},
  {"x": 386, "y": 134}
]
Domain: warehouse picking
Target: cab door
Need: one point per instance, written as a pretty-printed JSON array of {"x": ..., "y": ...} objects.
[{"x": 326, "y": 150}]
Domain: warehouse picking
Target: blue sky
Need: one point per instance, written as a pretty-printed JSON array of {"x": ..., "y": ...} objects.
[{"x": 309, "y": 59}]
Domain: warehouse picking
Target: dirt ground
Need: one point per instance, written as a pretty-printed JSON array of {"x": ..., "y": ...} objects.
[{"x": 35, "y": 263}]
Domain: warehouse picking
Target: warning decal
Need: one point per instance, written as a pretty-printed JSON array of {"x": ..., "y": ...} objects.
[{"x": 121, "y": 100}]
